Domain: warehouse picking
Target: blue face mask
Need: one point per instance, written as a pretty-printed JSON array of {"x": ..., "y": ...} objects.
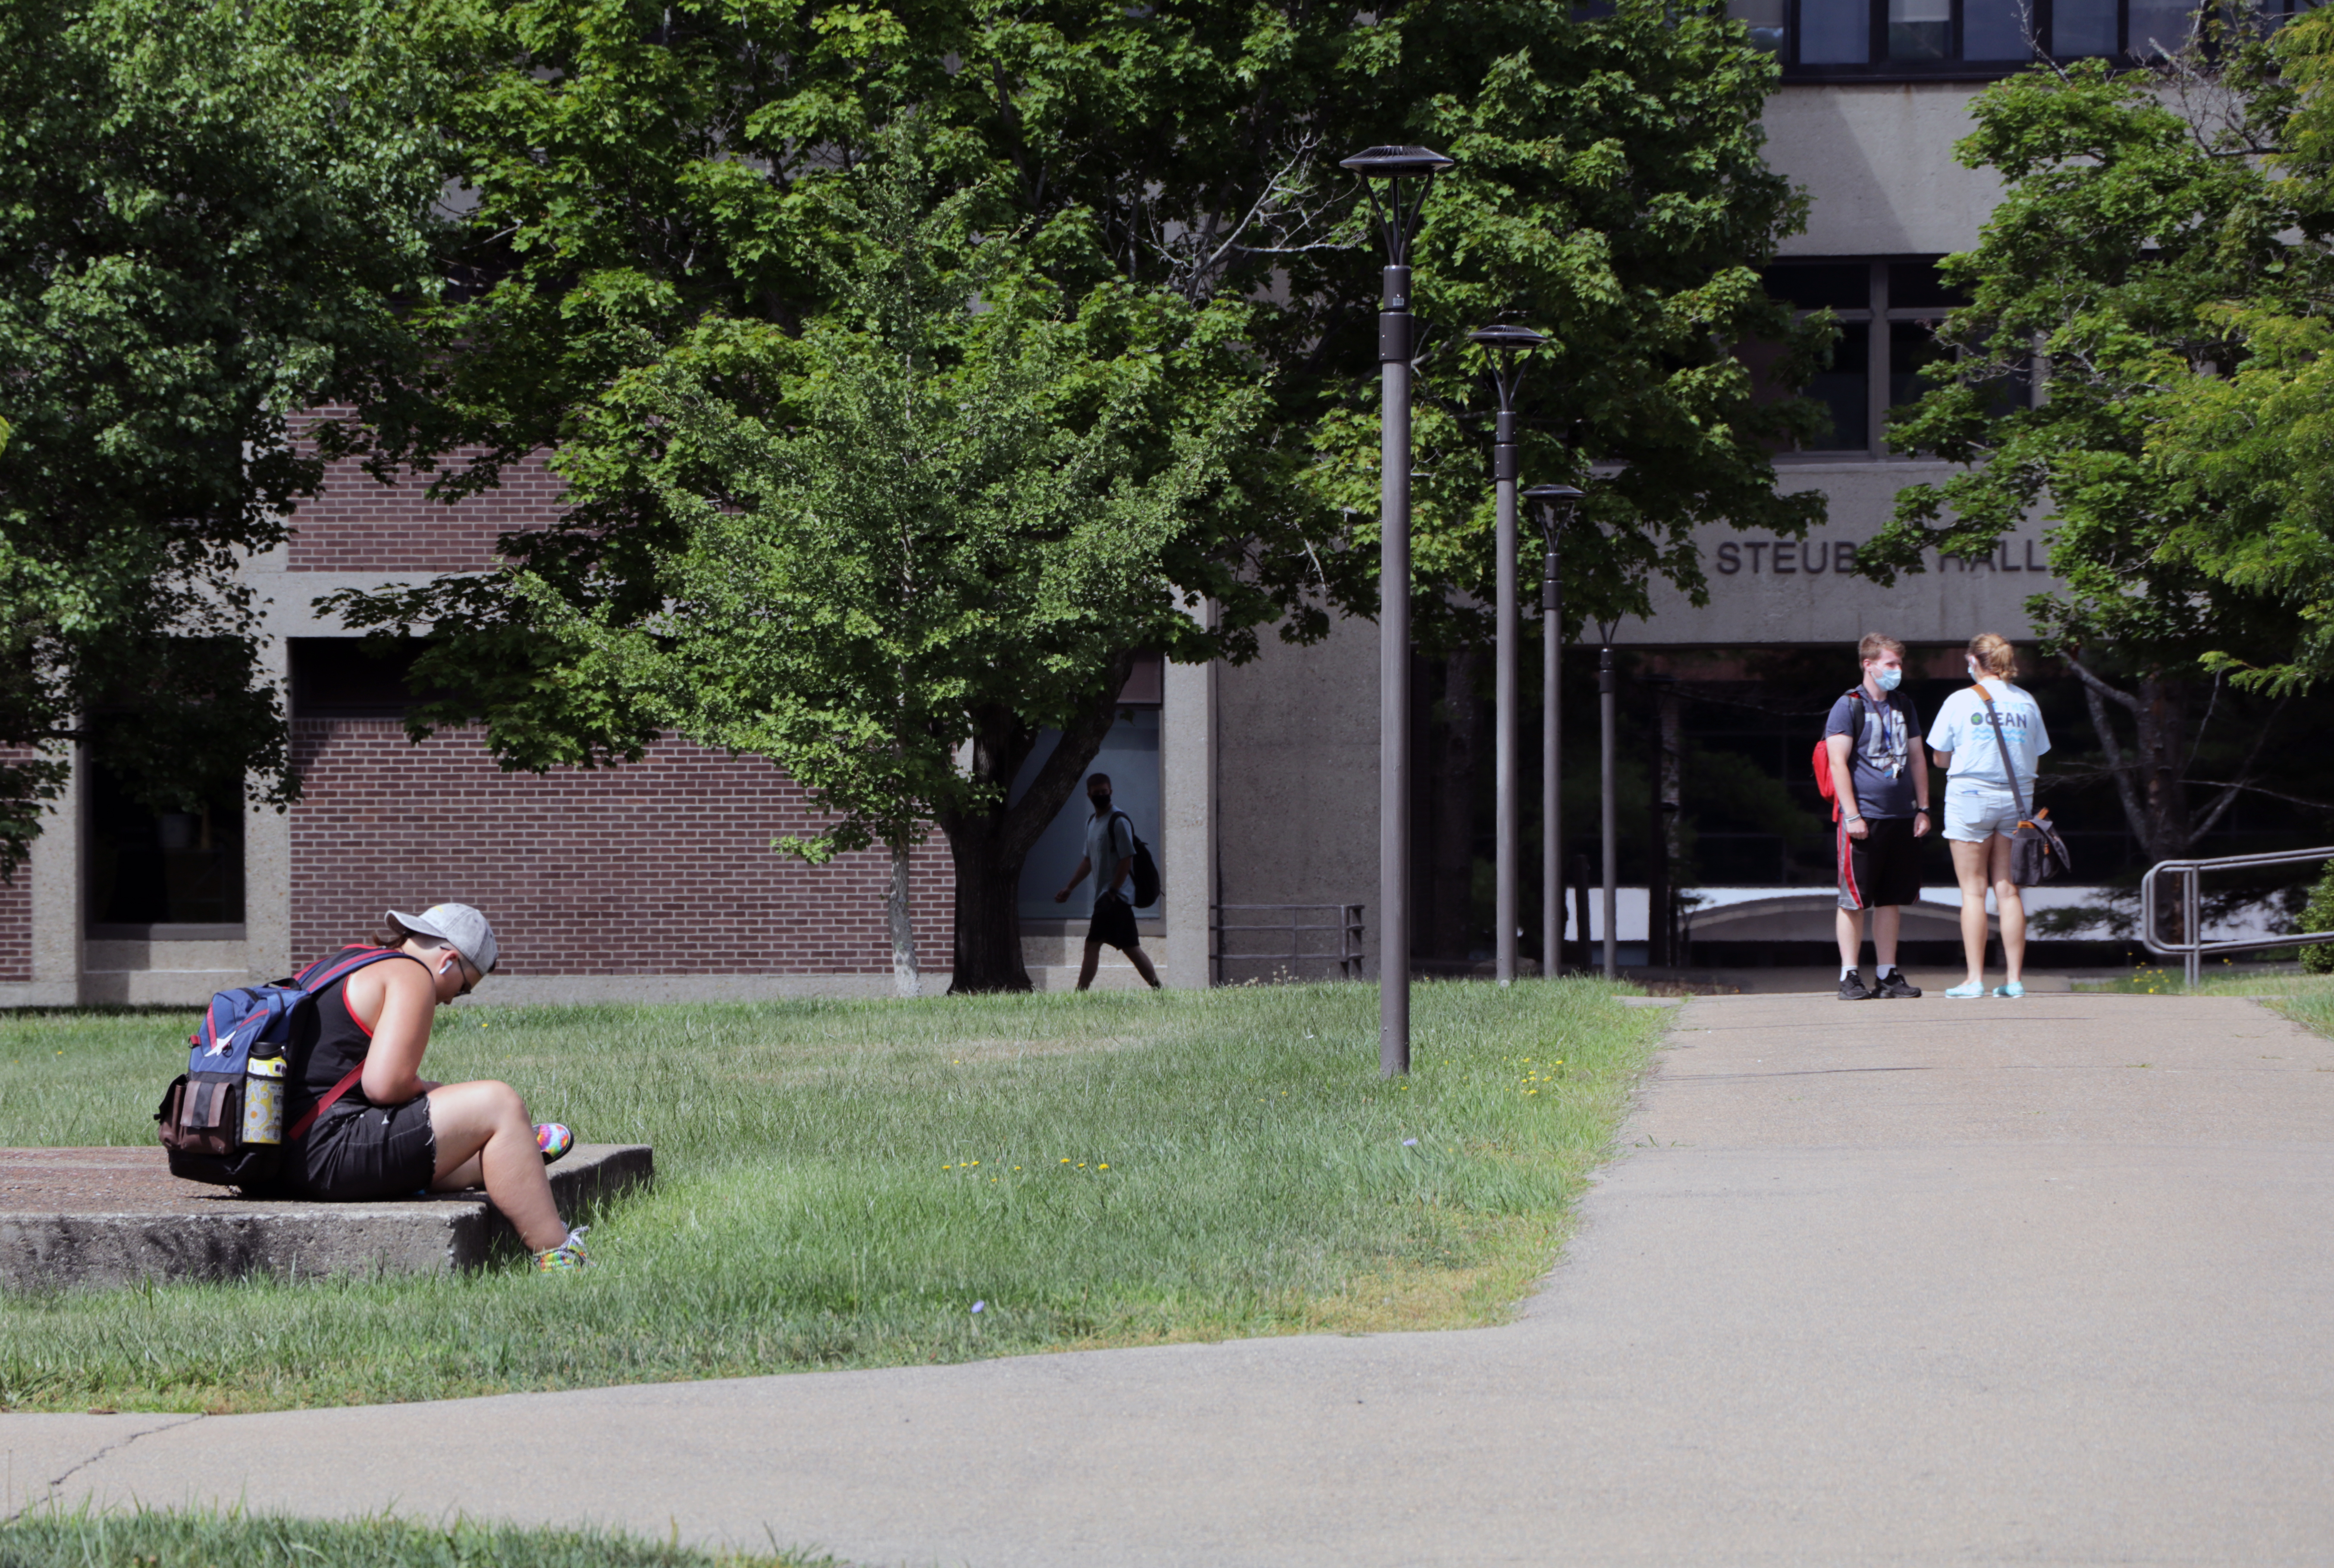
[{"x": 1888, "y": 679}]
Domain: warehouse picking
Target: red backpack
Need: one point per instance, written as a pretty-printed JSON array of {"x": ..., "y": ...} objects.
[{"x": 1821, "y": 761}]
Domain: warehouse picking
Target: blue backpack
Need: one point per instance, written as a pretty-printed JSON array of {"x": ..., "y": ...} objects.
[{"x": 222, "y": 1119}]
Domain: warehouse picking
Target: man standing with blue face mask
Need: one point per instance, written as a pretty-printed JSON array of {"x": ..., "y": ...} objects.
[{"x": 1880, "y": 781}]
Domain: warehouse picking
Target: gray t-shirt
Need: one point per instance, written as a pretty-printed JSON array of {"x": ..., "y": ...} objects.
[
  {"x": 1881, "y": 764},
  {"x": 1110, "y": 839}
]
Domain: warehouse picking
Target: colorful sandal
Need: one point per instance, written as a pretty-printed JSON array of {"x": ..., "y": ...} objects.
[{"x": 553, "y": 1140}]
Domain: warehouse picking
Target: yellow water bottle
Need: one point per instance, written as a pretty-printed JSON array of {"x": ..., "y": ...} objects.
[{"x": 262, "y": 1100}]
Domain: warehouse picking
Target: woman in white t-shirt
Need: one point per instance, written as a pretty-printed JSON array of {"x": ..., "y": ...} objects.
[{"x": 1980, "y": 811}]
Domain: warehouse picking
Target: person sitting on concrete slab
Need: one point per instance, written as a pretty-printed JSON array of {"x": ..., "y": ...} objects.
[{"x": 397, "y": 1132}]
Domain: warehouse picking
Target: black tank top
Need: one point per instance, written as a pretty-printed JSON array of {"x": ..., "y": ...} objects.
[{"x": 338, "y": 1041}]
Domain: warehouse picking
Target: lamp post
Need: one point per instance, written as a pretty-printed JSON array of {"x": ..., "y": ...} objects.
[
  {"x": 1555, "y": 503},
  {"x": 1505, "y": 344},
  {"x": 1607, "y": 722},
  {"x": 1409, "y": 173}
]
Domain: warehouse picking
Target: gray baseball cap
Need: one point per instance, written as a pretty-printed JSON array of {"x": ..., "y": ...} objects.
[{"x": 460, "y": 927}]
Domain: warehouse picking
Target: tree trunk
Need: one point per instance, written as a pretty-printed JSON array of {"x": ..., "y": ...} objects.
[
  {"x": 988, "y": 945},
  {"x": 2147, "y": 778},
  {"x": 2163, "y": 738},
  {"x": 1455, "y": 762},
  {"x": 905, "y": 980},
  {"x": 989, "y": 845}
]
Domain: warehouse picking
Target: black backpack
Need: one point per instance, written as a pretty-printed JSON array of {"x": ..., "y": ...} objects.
[{"x": 1143, "y": 877}]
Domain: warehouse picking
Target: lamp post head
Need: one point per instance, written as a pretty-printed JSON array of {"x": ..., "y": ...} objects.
[
  {"x": 1556, "y": 503},
  {"x": 1397, "y": 218},
  {"x": 1394, "y": 162},
  {"x": 1506, "y": 338},
  {"x": 1563, "y": 496}
]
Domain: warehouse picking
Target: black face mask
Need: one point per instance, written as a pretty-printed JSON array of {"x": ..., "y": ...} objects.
[{"x": 1101, "y": 802}]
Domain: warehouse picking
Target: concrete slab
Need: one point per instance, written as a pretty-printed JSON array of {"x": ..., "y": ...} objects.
[
  {"x": 79, "y": 1218},
  {"x": 1905, "y": 1283}
]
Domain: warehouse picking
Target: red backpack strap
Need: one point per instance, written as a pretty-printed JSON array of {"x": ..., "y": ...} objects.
[
  {"x": 335, "y": 966},
  {"x": 299, "y": 1129}
]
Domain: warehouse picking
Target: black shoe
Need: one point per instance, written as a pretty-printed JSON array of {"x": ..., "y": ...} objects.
[
  {"x": 1894, "y": 983},
  {"x": 1851, "y": 989}
]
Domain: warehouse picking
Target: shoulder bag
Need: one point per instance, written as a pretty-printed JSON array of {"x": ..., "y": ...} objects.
[{"x": 2037, "y": 854}]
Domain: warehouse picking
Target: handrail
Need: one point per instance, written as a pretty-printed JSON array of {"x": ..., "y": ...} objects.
[
  {"x": 2192, "y": 950},
  {"x": 1348, "y": 956}
]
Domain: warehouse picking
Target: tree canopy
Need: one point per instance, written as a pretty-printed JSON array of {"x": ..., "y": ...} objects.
[
  {"x": 657, "y": 195},
  {"x": 2148, "y": 246},
  {"x": 209, "y": 216}
]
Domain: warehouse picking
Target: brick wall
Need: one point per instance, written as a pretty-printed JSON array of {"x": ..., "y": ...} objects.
[
  {"x": 658, "y": 868},
  {"x": 16, "y": 902},
  {"x": 16, "y": 925},
  {"x": 360, "y": 524}
]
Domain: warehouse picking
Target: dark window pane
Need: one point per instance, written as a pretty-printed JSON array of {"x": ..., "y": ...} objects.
[
  {"x": 1834, "y": 33},
  {"x": 1842, "y": 390},
  {"x": 2083, "y": 27},
  {"x": 149, "y": 868},
  {"x": 1822, "y": 285},
  {"x": 1911, "y": 345},
  {"x": 2159, "y": 27},
  {"x": 1765, "y": 20},
  {"x": 1920, "y": 30},
  {"x": 1915, "y": 286},
  {"x": 1993, "y": 30},
  {"x": 346, "y": 678},
  {"x": 2011, "y": 391}
]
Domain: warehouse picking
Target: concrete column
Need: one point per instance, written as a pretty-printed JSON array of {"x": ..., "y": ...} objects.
[
  {"x": 267, "y": 859},
  {"x": 1187, "y": 767},
  {"x": 59, "y": 918}
]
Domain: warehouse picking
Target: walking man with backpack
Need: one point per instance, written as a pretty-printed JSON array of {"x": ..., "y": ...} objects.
[
  {"x": 1877, "y": 777},
  {"x": 1110, "y": 856}
]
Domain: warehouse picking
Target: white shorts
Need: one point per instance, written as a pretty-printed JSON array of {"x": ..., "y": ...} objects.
[{"x": 1974, "y": 813}]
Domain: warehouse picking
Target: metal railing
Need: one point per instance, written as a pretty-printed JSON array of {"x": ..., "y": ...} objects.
[
  {"x": 1344, "y": 952},
  {"x": 2192, "y": 948}
]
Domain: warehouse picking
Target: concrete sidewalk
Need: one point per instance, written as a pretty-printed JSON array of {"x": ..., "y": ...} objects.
[{"x": 2043, "y": 1282}]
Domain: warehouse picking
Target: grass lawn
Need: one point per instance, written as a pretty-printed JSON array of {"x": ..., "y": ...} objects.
[
  {"x": 157, "y": 1538},
  {"x": 2221, "y": 977},
  {"x": 842, "y": 1184}
]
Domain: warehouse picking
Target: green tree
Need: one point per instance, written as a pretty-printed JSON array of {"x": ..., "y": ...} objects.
[
  {"x": 2140, "y": 204},
  {"x": 938, "y": 519},
  {"x": 207, "y": 215},
  {"x": 2243, "y": 442},
  {"x": 646, "y": 181}
]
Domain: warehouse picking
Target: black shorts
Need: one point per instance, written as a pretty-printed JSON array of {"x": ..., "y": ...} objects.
[
  {"x": 367, "y": 1154},
  {"x": 1113, "y": 922},
  {"x": 1882, "y": 868}
]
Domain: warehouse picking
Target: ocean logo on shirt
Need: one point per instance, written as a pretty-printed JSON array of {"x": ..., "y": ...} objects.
[{"x": 2012, "y": 718}]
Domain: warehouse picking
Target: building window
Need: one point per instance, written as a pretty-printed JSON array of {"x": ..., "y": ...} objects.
[
  {"x": 349, "y": 677},
  {"x": 167, "y": 873},
  {"x": 1964, "y": 38},
  {"x": 1890, "y": 311}
]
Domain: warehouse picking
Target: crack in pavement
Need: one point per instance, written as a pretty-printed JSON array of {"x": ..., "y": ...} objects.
[{"x": 51, "y": 1490}]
